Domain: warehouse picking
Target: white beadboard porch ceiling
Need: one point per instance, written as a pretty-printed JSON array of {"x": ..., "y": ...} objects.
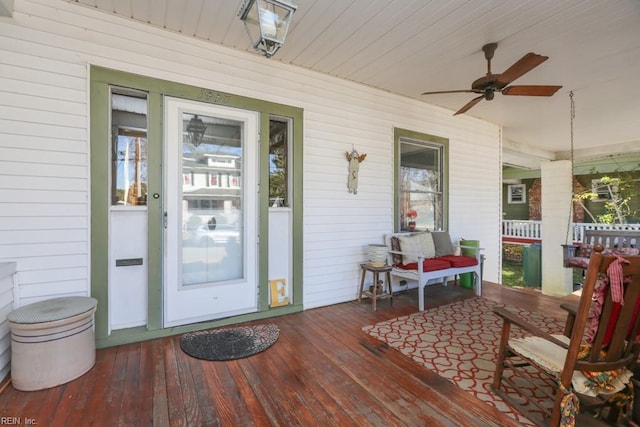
[{"x": 411, "y": 46}]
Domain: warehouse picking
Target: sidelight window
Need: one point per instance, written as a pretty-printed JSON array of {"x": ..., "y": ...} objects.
[
  {"x": 129, "y": 147},
  {"x": 279, "y": 176}
]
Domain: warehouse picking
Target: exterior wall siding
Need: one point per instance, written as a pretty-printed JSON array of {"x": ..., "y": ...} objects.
[
  {"x": 45, "y": 51},
  {"x": 7, "y": 299}
]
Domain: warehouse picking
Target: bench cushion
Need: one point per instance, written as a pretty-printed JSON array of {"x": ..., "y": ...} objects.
[
  {"x": 428, "y": 265},
  {"x": 458, "y": 261}
]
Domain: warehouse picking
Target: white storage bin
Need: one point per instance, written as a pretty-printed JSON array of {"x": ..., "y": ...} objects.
[{"x": 52, "y": 342}]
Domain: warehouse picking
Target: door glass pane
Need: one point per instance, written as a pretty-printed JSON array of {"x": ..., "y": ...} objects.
[
  {"x": 212, "y": 212},
  {"x": 421, "y": 203},
  {"x": 129, "y": 149}
]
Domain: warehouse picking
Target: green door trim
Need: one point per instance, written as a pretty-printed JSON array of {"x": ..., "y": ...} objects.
[{"x": 101, "y": 79}]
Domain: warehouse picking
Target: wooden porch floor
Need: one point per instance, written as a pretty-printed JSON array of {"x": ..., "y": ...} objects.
[{"x": 322, "y": 371}]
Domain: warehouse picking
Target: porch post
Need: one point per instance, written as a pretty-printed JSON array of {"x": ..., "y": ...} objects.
[{"x": 556, "y": 178}]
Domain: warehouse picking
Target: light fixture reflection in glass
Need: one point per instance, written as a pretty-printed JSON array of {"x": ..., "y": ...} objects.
[{"x": 196, "y": 129}]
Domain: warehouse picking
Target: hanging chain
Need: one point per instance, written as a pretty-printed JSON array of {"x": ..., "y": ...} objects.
[
  {"x": 572, "y": 112},
  {"x": 573, "y": 116}
]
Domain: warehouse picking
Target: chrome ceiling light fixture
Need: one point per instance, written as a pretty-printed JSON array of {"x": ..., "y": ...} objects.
[
  {"x": 267, "y": 23},
  {"x": 196, "y": 129}
]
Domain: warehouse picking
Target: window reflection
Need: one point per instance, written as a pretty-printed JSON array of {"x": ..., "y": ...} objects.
[
  {"x": 421, "y": 193},
  {"x": 279, "y": 136},
  {"x": 212, "y": 216}
]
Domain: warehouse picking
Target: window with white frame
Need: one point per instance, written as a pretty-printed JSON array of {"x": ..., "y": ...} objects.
[
  {"x": 517, "y": 193},
  {"x": 421, "y": 183},
  {"x": 604, "y": 190}
]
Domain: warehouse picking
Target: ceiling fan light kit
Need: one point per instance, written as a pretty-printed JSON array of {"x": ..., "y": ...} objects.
[{"x": 491, "y": 83}]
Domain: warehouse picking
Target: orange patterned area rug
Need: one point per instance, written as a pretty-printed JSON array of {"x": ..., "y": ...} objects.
[{"x": 459, "y": 342}]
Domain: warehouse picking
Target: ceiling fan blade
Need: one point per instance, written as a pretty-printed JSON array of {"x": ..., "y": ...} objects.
[
  {"x": 521, "y": 67},
  {"x": 468, "y": 105},
  {"x": 452, "y": 91},
  {"x": 528, "y": 90}
]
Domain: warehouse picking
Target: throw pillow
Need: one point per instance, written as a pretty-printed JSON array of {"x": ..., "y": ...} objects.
[
  {"x": 442, "y": 242},
  {"x": 410, "y": 247},
  {"x": 395, "y": 246},
  {"x": 419, "y": 244},
  {"x": 584, "y": 250},
  {"x": 428, "y": 245}
]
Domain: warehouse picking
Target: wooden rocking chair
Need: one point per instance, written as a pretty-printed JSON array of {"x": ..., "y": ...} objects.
[{"x": 563, "y": 371}]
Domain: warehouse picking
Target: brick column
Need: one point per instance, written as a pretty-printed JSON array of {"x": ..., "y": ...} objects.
[{"x": 535, "y": 200}]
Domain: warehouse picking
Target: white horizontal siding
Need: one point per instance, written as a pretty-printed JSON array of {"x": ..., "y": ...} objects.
[
  {"x": 50, "y": 43},
  {"x": 44, "y": 166},
  {"x": 7, "y": 277}
]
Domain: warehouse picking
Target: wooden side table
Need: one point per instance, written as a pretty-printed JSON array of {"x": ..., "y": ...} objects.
[{"x": 373, "y": 294}]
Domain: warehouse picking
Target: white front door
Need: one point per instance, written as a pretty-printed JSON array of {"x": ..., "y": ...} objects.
[{"x": 211, "y": 173}]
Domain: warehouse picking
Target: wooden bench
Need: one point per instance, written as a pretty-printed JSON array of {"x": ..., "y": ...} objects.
[
  {"x": 440, "y": 275},
  {"x": 622, "y": 242}
]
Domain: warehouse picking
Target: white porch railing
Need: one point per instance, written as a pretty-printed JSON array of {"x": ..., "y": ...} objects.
[
  {"x": 521, "y": 229},
  {"x": 531, "y": 230}
]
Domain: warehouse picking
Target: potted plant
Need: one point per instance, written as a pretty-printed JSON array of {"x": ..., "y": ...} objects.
[{"x": 412, "y": 215}]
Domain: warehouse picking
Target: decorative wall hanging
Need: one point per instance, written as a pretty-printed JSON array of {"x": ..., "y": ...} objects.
[{"x": 354, "y": 159}]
